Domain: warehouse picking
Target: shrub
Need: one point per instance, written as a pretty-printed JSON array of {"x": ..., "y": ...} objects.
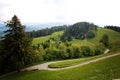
[
  {"x": 86, "y": 50},
  {"x": 77, "y": 52},
  {"x": 91, "y": 34},
  {"x": 105, "y": 40},
  {"x": 99, "y": 49}
]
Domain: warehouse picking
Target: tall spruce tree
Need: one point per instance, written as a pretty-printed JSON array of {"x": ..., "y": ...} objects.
[{"x": 17, "y": 47}]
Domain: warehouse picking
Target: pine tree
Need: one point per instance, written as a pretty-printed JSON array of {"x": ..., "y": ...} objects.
[{"x": 17, "y": 47}]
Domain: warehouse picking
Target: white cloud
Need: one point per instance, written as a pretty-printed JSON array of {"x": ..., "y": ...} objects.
[{"x": 97, "y": 11}]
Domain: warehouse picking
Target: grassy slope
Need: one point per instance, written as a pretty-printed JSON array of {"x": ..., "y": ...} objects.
[
  {"x": 113, "y": 35},
  {"x": 107, "y": 69},
  {"x": 72, "y": 62},
  {"x": 114, "y": 38},
  {"x": 101, "y": 70},
  {"x": 44, "y": 38}
]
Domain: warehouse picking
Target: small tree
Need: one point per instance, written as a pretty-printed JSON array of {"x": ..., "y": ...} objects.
[
  {"x": 17, "y": 46},
  {"x": 91, "y": 34},
  {"x": 86, "y": 51},
  {"x": 105, "y": 40}
]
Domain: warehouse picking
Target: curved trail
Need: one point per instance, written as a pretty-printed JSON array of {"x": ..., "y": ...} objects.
[{"x": 44, "y": 66}]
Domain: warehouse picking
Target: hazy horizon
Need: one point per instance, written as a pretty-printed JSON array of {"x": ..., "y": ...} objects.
[{"x": 102, "y": 12}]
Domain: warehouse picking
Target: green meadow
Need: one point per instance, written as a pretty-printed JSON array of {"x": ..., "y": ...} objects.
[
  {"x": 107, "y": 69},
  {"x": 114, "y": 39}
]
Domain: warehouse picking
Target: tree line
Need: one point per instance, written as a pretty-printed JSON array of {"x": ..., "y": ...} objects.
[
  {"x": 80, "y": 30},
  {"x": 47, "y": 31},
  {"x": 60, "y": 51},
  {"x": 115, "y": 28}
]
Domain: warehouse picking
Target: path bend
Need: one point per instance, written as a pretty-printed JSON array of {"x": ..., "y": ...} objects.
[{"x": 44, "y": 66}]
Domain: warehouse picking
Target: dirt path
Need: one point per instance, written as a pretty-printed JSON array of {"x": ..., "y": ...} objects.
[
  {"x": 45, "y": 65},
  {"x": 106, "y": 51}
]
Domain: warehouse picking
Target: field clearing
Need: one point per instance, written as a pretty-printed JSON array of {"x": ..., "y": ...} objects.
[
  {"x": 44, "y": 38},
  {"x": 113, "y": 35}
]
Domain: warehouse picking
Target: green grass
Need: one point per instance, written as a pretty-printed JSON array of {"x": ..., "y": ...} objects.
[
  {"x": 102, "y": 70},
  {"x": 107, "y": 69},
  {"x": 113, "y": 35},
  {"x": 68, "y": 63},
  {"x": 114, "y": 38},
  {"x": 44, "y": 38},
  {"x": 71, "y": 62},
  {"x": 114, "y": 41},
  {"x": 81, "y": 43}
]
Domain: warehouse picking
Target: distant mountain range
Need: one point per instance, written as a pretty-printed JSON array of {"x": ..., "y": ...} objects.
[
  {"x": 33, "y": 26},
  {"x": 30, "y": 26}
]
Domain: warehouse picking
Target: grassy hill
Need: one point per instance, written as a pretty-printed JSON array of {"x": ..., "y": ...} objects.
[
  {"x": 44, "y": 38},
  {"x": 107, "y": 69},
  {"x": 114, "y": 38}
]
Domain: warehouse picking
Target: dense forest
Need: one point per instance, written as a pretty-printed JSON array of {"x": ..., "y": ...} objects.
[{"x": 80, "y": 30}]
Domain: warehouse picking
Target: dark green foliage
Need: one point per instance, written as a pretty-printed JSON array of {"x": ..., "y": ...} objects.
[
  {"x": 91, "y": 34},
  {"x": 105, "y": 40},
  {"x": 115, "y": 28},
  {"x": 53, "y": 54},
  {"x": 67, "y": 44},
  {"x": 77, "y": 52},
  {"x": 81, "y": 30},
  {"x": 17, "y": 48},
  {"x": 86, "y": 51},
  {"x": 46, "y": 44},
  {"x": 47, "y": 31},
  {"x": 65, "y": 38},
  {"x": 99, "y": 49},
  {"x": 68, "y": 52}
]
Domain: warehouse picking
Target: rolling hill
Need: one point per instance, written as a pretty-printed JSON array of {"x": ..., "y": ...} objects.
[
  {"x": 106, "y": 69},
  {"x": 114, "y": 38}
]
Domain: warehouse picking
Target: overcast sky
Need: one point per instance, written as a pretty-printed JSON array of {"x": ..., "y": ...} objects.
[{"x": 67, "y": 11}]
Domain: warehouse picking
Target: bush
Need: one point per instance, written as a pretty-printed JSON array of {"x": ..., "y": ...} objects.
[
  {"x": 70, "y": 52},
  {"x": 105, "y": 40},
  {"x": 61, "y": 54},
  {"x": 91, "y": 34},
  {"x": 85, "y": 50},
  {"x": 77, "y": 52},
  {"x": 99, "y": 49}
]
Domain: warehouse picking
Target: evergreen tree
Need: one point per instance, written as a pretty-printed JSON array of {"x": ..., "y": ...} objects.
[{"x": 17, "y": 47}]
